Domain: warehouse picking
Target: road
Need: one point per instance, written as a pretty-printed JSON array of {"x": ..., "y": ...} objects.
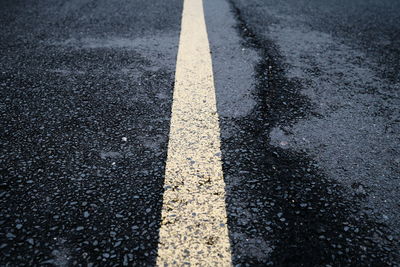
[{"x": 265, "y": 134}]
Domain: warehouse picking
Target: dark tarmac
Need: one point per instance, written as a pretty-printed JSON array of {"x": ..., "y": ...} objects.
[
  {"x": 308, "y": 99},
  {"x": 86, "y": 91}
]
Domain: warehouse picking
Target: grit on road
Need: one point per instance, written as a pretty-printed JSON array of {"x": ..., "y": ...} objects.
[
  {"x": 194, "y": 224},
  {"x": 97, "y": 106}
]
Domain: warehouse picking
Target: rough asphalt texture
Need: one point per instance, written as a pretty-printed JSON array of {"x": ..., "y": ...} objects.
[
  {"x": 312, "y": 171},
  {"x": 308, "y": 98},
  {"x": 86, "y": 89}
]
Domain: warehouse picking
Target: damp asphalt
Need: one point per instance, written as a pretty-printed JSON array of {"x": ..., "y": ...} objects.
[{"x": 308, "y": 101}]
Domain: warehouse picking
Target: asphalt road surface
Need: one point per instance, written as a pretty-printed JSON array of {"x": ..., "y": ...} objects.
[{"x": 307, "y": 146}]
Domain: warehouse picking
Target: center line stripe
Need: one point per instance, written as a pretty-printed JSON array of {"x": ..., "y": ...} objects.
[{"x": 194, "y": 223}]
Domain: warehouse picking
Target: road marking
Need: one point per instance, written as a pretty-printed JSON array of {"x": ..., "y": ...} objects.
[{"x": 194, "y": 223}]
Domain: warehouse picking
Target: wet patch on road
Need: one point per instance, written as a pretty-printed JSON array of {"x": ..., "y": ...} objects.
[{"x": 282, "y": 208}]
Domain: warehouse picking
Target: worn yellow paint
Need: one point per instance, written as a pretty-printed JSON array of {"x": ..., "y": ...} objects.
[{"x": 194, "y": 223}]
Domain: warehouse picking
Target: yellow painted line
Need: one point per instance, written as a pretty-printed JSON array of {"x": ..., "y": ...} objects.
[{"x": 194, "y": 223}]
